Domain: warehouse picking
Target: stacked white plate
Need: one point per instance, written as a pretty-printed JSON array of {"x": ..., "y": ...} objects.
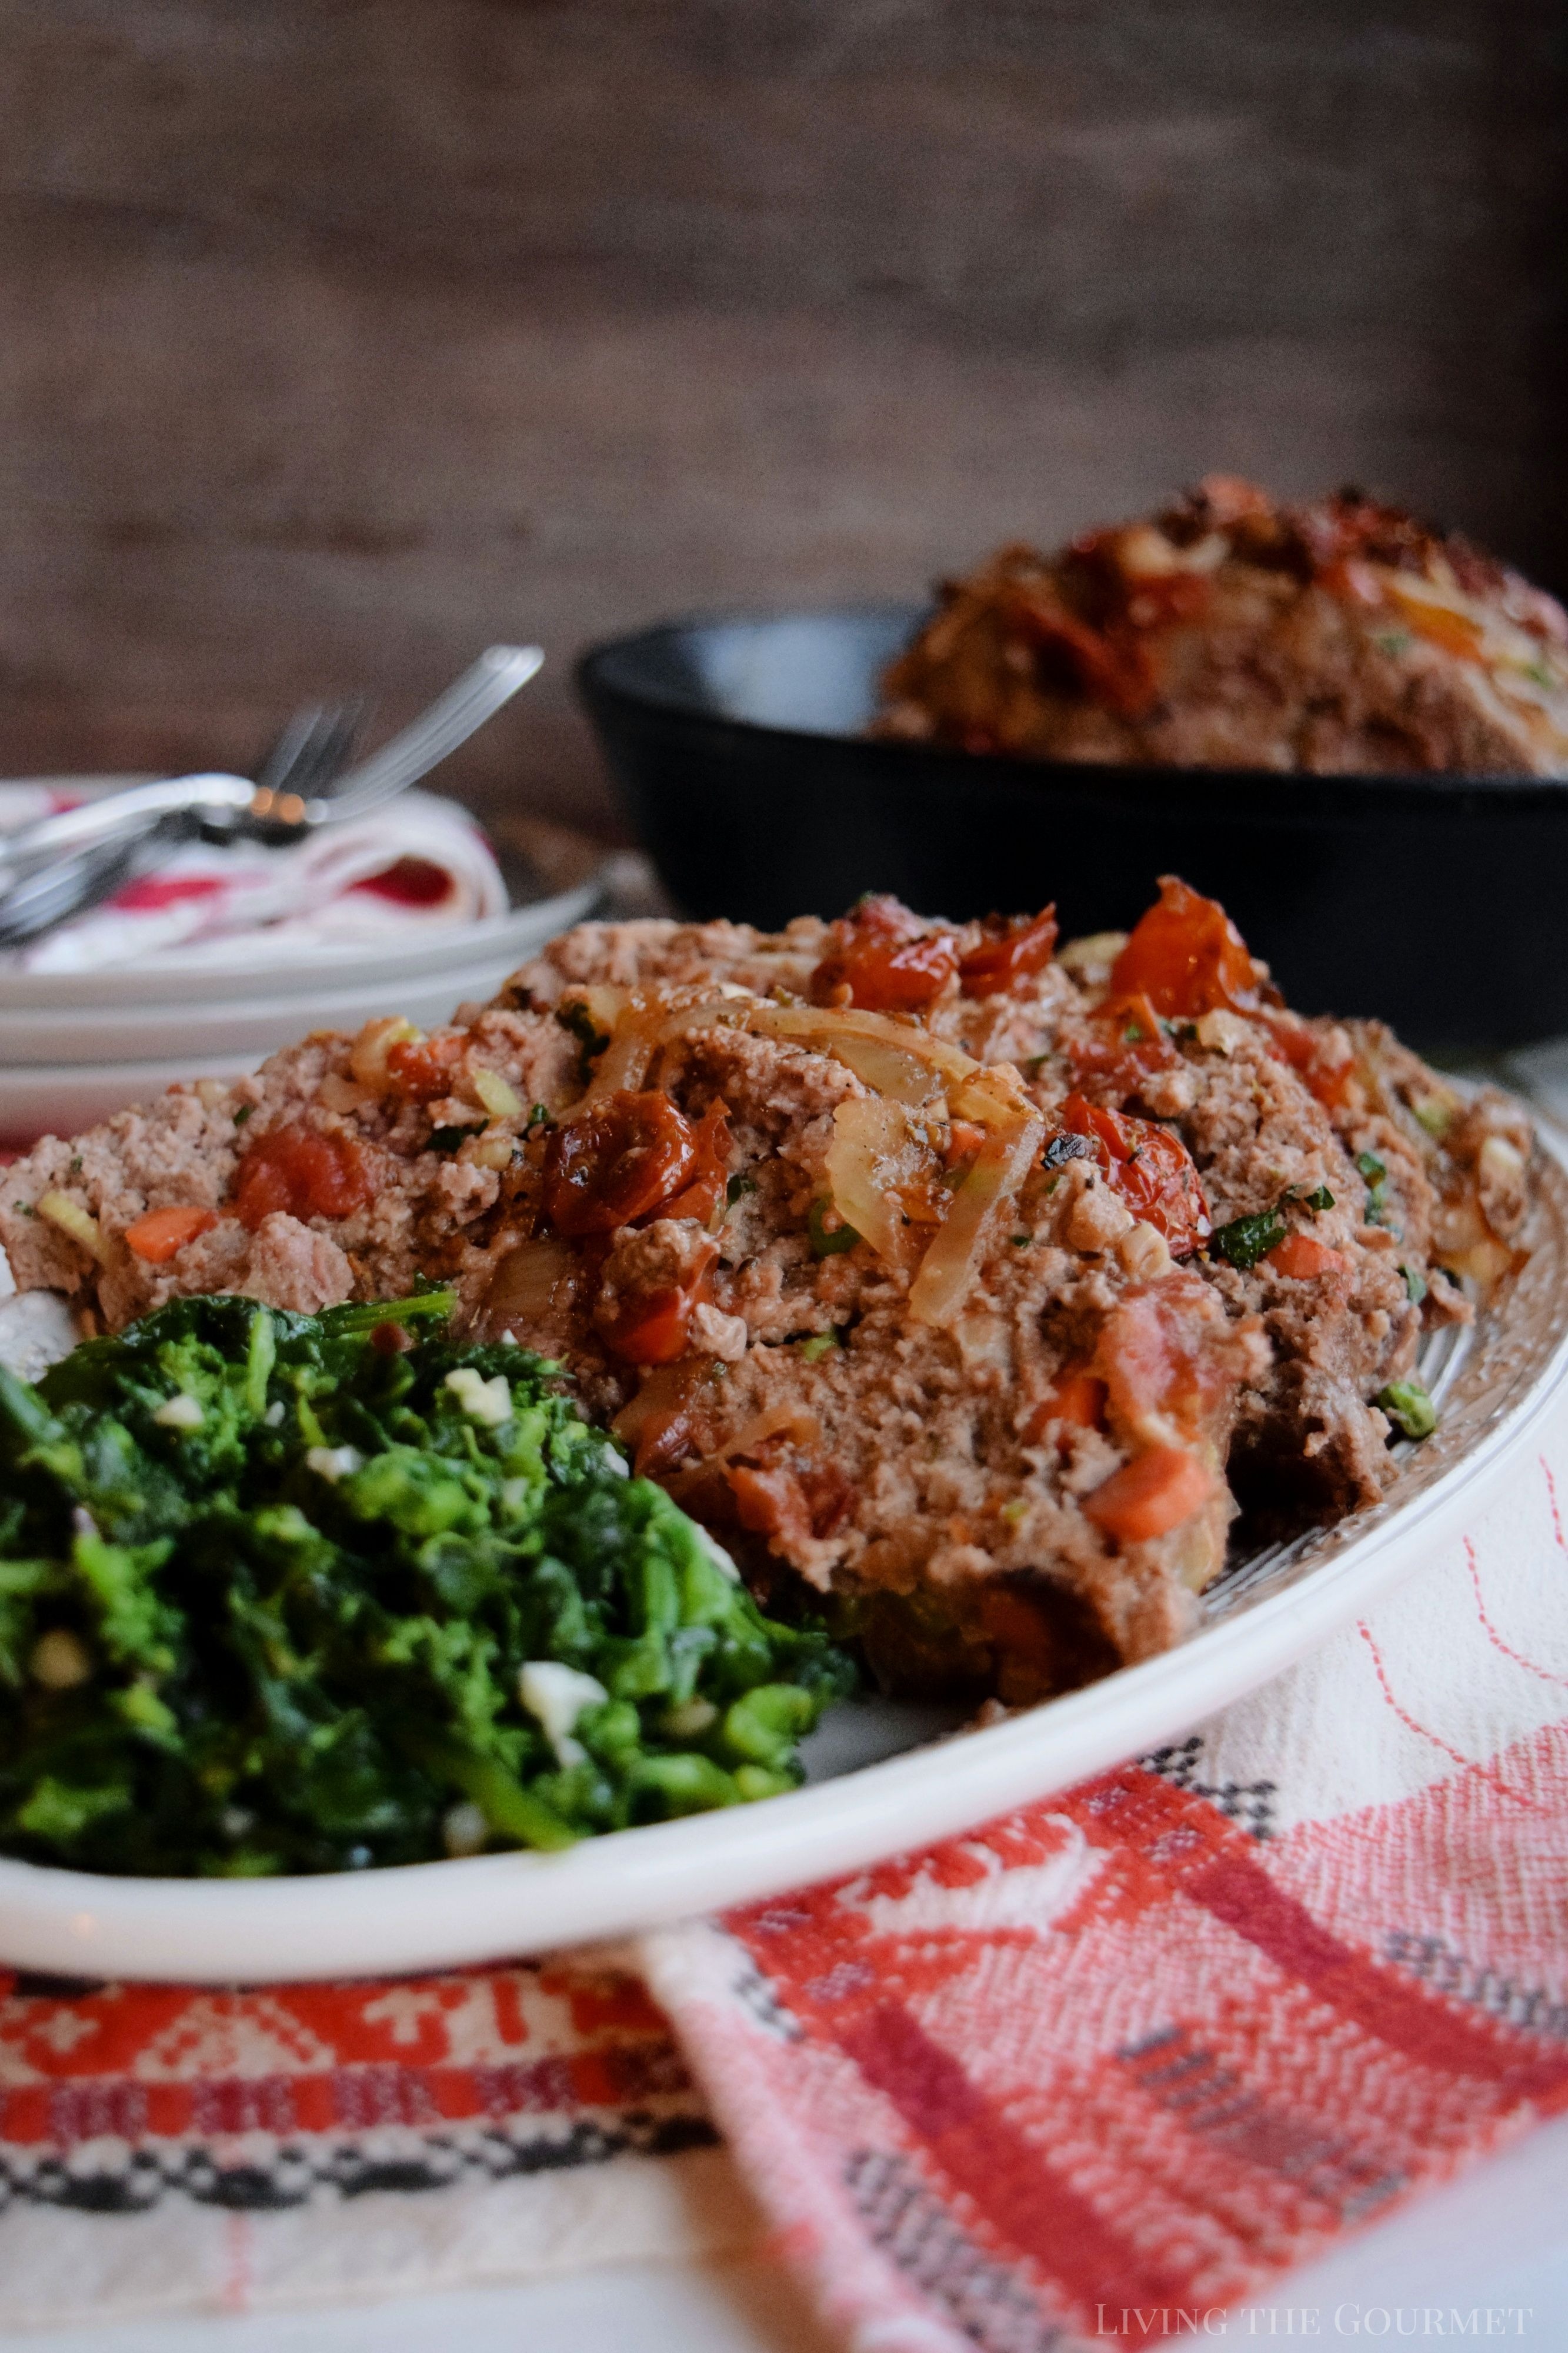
[{"x": 77, "y": 1046}]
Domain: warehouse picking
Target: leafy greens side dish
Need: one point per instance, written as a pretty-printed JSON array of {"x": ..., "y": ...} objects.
[{"x": 286, "y": 1593}]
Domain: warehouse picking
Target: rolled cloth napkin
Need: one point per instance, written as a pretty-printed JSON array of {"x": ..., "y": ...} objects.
[
  {"x": 1122, "y": 2057},
  {"x": 417, "y": 865}
]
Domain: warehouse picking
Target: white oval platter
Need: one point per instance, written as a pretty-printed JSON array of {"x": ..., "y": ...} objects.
[{"x": 879, "y": 1782}]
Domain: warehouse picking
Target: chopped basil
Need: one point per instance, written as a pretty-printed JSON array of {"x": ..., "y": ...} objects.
[
  {"x": 448, "y": 1139},
  {"x": 816, "y": 1347},
  {"x": 1320, "y": 1199},
  {"x": 1371, "y": 1168},
  {"x": 538, "y": 1116},
  {"x": 1393, "y": 641},
  {"x": 1247, "y": 1239},
  {"x": 825, "y": 1242},
  {"x": 1409, "y": 1408},
  {"x": 243, "y": 1114},
  {"x": 1020, "y": 1241},
  {"x": 738, "y": 1186},
  {"x": 1415, "y": 1283}
]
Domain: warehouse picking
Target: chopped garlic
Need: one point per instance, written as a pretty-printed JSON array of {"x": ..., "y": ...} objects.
[
  {"x": 556, "y": 1695},
  {"x": 72, "y": 1218},
  {"x": 1144, "y": 1253},
  {"x": 500, "y": 1101},
  {"x": 180, "y": 1412},
  {"x": 1500, "y": 1161},
  {"x": 494, "y": 1151},
  {"x": 334, "y": 1462},
  {"x": 372, "y": 1046},
  {"x": 1221, "y": 1032},
  {"x": 487, "y": 1401},
  {"x": 337, "y": 1093}
]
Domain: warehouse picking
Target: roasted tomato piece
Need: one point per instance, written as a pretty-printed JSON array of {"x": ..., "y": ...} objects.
[
  {"x": 1186, "y": 958},
  {"x": 1128, "y": 1044},
  {"x": 886, "y": 958},
  {"x": 1109, "y": 666},
  {"x": 422, "y": 1067},
  {"x": 303, "y": 1173},
  {"x": 1075, "y": 1398},
  {"x": 1010, "y": 951},
  {"x": 702, "y": 1194},
  {"x": 1299, "y": 1045},
  {"x": 1149, "y": 1166},
  {"x": 1165, "y": 1375},
  {"x": 618, "y": 1161},
  {"x": 652, "y": 1327}
]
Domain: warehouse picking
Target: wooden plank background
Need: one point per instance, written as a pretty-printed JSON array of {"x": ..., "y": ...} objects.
[{"x": 340, "y": 336}]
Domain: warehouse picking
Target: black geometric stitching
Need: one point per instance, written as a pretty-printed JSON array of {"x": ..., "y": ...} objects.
[
  {"x": 297, "y": 2170},
  {"x": 1249, "y": 1803},
  {"x": 986, "y": 2299}
]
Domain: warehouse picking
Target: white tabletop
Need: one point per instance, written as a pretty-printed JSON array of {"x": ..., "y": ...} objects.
[{"x": 1494, "y": 2244}]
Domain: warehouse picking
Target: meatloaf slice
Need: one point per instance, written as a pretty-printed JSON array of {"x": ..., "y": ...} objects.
[
  {"x": 1233, "y": 631},
  {"x": 939, "y": 1275}
]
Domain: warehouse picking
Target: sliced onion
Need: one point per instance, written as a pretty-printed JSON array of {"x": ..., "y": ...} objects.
[
  {"x": 872, "y": 1155},
  {"x": 530, "y": 1281},
  {"x": 69, "y": 1217},
  {"x": 831, "y": 1028},
  {"x": 966, "y": 1237},
  {"x": 802, "y": 1425}
]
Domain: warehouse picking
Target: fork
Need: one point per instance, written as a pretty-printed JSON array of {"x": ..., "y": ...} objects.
[
  {"x": 227, "y": 807},
  {"x": 310, "y": 753}
]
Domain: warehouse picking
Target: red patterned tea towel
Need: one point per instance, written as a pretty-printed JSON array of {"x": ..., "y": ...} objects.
[
  {"x": 1122, "y": 2057},
  {"x": 165, "y": 2150}
]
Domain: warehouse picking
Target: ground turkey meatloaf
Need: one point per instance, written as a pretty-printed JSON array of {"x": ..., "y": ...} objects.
[
  {"x": 1231, "y": 631},
  {"x": 967, "y": 1285}
]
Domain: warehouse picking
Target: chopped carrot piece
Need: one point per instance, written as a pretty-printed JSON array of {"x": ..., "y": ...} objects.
[
  {"x": 1302, "y": 1257},
  {"x": 1076, "y": 1397},
  {"x": 160, "y": 1233},
  {"x": 1150, "y": 1495}
]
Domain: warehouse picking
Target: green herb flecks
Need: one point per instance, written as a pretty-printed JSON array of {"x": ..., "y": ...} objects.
[
  {"x": 1245, "y": 1241},
  {"x": 820, "y": 1345},
  {"x": 737, "y": 1187},
  {"x": 828, "y": 1242},
  {"x": 1409, "y": 1408},
  {"x": 577, "y": 1017},
  {"x": 1415, "y": 1283},
  {"x": 1376, "y": 1180},
  {"x": 285, "y": 1628}
]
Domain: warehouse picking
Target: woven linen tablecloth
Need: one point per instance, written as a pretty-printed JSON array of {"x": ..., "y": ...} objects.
[{"x": 1118, "y": 2058}]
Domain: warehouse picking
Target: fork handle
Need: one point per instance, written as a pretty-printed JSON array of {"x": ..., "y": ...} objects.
[{"x": 137, "y": 807}]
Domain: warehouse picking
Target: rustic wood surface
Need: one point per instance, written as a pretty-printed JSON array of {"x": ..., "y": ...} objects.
[{"x": 340, "y": 336}]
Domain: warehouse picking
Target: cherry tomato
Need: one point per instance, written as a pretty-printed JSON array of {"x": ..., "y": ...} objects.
[
  {"x": 301, "y": 1173},
  {"x": 618, "y": 1161},
  {"x": 1187, "y": 957},
  {"x": 1302, "y": 1046},
  {"x": 887, "y": 959},
  {"x": 1148, "y": 1167},
  {"x": 422, "y": 1067},
  {"x": 704, "y": 1189},
  {"x": 1009, "y": 953}
]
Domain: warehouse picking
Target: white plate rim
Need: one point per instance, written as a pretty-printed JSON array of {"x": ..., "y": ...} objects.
[{"x": 460, "y": 1913}]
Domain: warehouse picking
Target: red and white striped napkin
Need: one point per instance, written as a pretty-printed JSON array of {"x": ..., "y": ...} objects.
[
  {"x": 1124, "y": 2057},
  {"x": 419, "y": 864}
]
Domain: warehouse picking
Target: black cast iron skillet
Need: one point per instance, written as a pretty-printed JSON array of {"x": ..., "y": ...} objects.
[{"x": 1434, "y": 901}]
